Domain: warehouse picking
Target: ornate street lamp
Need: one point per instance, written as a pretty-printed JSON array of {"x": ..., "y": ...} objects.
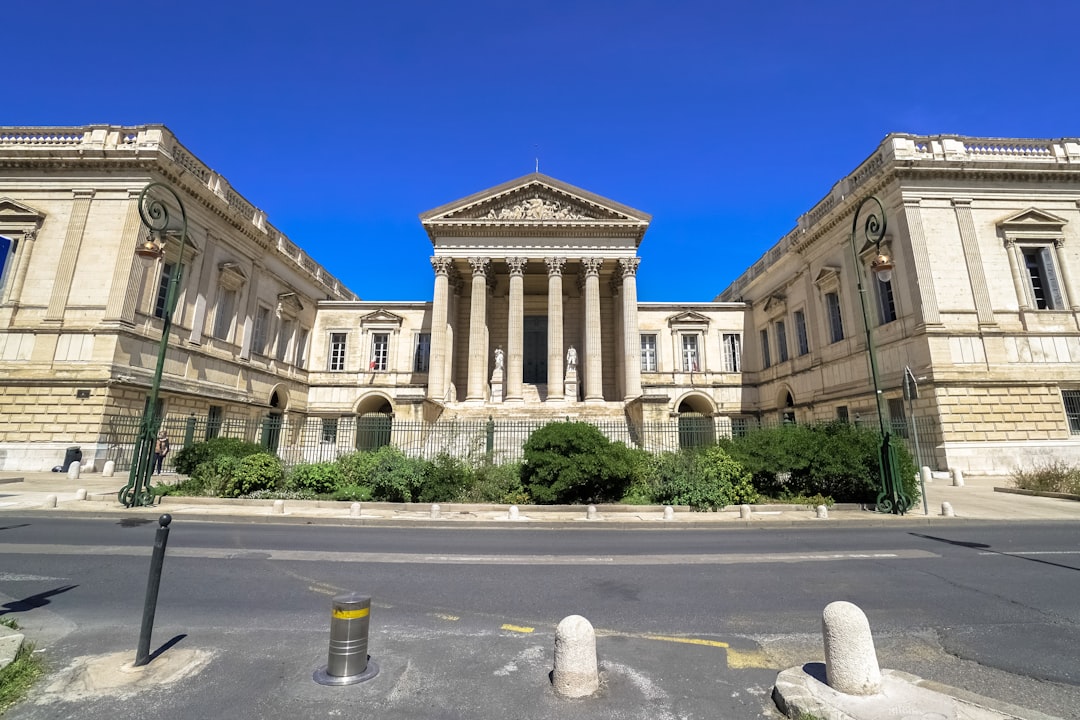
[
  {"x": 156, "y": 217},
  {"x": 891, "y": 497}
]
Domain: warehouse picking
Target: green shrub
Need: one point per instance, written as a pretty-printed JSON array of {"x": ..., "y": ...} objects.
[
  {"x": 1049, "y": 475},
  {"x": 358, "y": 468},
  {"x": 352, "y": 493},
  {"x": 708, "y": 479},
  {"x": 573, "y": 462},
  {"x": 255, "y": 472},
  {"x": 190, "y": 457},
  {"x": 212, "y": 477},
  {"x": 317, "y": 478},
  {"x": 496, "y": 484},
  {"x": 395, "y": 477},
  {"x": 836, "y": 459},
  {"x": 445, "y": 480}
]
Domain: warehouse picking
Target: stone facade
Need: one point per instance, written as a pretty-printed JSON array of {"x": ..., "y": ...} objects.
[{"x": 534, "y": 311}]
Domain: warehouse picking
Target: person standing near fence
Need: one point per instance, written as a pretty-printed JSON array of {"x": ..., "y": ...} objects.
[{"x": 161, "y": 449}]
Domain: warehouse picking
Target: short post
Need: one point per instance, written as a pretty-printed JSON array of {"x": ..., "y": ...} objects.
[
  {"x": 744, "y": 512},
  {"x": 110, "y": 468},
  {"x": 50, "y": 501},
  {"x": 80, "y": 494},
  {"x": 822, "y": 512},
  {"x": 279, "y": 507},
  {"x": 348, "y": 660},
  {"x": 73, "y": 470},
  {"x": 575, "y": 674},
  {"x": 142, "y": 655},
  {"x": 669, "y": 512},
  {"x": 436, "y": 511},
  {"x": 957, "y": 477},
  {"x": 946, "y": 510},
  {"x": 354, "y": 510},
  {"x": 590, "y": 512},
  {"x": 512, "y": 513},
  {"x": 851, "y": 664}
]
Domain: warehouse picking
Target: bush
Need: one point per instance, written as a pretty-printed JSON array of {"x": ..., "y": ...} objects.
[
  {"x": 445, "y": 479},
  {"x": 496, "y": 484},
  {"x": 190, "y": 457},
  {"x": 255, "y": 472},
  {"x": 708, "y": 479},
  {"x": 1049, "y": 475},
  {"x": 395, "y": 477},
  {"x": 352, "y": 493},
  {"x": 316, "y": 478},
  {"x": 573, "y": 462},
  {"x": 836, "y": 459},
  {"x": 358, "y": 468},
  {"x": 211, "y": 477}
]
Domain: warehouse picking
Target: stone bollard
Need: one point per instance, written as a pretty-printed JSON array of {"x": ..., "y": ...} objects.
[
  {"x": 109, "y": 469},
  {"x": 512, "y": 513},
  {"x": 354, "y": 510},
  {"x": 957, "y": 477},
  {"x": 575, "y": 674},
  {"x": 73, "y": 471},
  {"x": 745, "y": 512},
  {"x": 50, "y": 501},
  {"x": 926, "y": 474},
  {"x": 279, "y": 507},
  {"x": 851, "y": 665},
  {"x": 822, "y": 512},
  {"x": 80, "y": 494},
  {"x": 946, "y": 510},
  {"x": 436, "y": 511},
  {"x": 669, "y": 512},
  {"x": 590, "y": 512}
]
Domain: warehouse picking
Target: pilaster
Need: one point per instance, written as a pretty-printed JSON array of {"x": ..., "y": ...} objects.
[
  {"x": 924, "y": 281},
  {"x": 65, "y": 269},
  {"x": 124, "y": 289},
  {"x": 973, "y": 259}
]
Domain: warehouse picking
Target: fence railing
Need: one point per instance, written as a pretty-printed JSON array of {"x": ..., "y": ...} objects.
[{"x": 499, "y": 441}]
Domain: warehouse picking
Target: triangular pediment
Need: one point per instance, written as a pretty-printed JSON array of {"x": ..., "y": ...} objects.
[
  {"x": 688, "y": 318},
  {"x": 381, "y": 317},
  {"x": 13, "y": 211},
  {"x": 534, "y": 203},
  {"x": 1032, "y": 218}
]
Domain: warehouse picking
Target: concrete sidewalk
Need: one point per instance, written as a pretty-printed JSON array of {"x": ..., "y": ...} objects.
[{"x": 980, "y": 498}]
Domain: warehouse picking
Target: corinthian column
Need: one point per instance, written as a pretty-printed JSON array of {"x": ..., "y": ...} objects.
[
  {"x": 478, "y": 329},
  {"x": 594, "y": 377},
  {"x": 555, "y": 325},
  {"x": 631, "y": 338},
  {"x": 437, "y": 368},
  {"x": 515, "y": 325}
]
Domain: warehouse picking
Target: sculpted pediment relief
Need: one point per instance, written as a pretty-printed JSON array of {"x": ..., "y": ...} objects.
[{"x": 538, "y": 208}]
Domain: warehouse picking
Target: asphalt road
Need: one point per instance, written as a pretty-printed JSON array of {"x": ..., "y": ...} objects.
[{"x": 690, "y": 624}]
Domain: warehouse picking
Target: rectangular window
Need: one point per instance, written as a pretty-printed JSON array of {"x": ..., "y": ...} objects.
[
  {"x": 1071, "y": 400},
  {"x": 781, "y": 341},
  {"x": 836, "y": 323},
  {"x": 422, "y": 353},
  {"x": 648, "y": 353},
  {"x": 690, "y": 353},
  {"x": 1042, "y": 278},
  {"x": 284, "y": 336},
  {"x": 213, "y": 422},
  {"x": 897, "y": 419},
  {"x": 262, "y": 327},
  {"x": 226, "y": 309},
  {"x": 329, "y": 430},
  {"x": 337, "y": 351},
  {"x": 301, "y": 349},
  {"x": 842, "y": 413},
  {"x": 163, "y": 289},
  {"x": 800, "y": 333},
  {"x": 766, "y": 358},
  {"x": 886, "y": 305},
  {"x": 732, "y": 343},
  {"x": 380, "y": 350}
]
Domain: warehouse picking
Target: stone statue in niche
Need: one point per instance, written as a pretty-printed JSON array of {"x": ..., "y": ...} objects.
[
  {"x": 571, "y": 358},
  {"x": 498, "y": 358}
]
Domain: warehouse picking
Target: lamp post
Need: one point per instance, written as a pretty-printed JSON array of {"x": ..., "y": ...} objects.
[
  {"x": 156, "y": 217},
  {"x": 891, "y": 497}
]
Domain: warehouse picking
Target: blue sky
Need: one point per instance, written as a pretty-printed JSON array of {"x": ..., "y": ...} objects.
[{"x": 725, "y": 121}]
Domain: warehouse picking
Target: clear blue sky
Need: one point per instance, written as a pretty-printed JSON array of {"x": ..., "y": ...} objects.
[{"x": 725, "y": 121}]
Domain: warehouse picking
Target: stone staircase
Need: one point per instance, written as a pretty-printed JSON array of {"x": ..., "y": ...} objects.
[{"x": 534, "y": 407}]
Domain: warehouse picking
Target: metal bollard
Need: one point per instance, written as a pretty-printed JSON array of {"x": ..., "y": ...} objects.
[
  {"x": 153, "y": 583},
  {"x": 348, "y": 660}
]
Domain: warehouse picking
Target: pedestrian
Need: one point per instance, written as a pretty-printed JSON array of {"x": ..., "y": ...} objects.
[{"x": 161, "y": 449}]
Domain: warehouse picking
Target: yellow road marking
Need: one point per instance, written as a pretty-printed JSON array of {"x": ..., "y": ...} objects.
[
  {"x": 687, "y": 640},
  {"x": 737, "y": 659},
  {"x": 351, "y": 614},
  {"x": 517, "y": 628}
]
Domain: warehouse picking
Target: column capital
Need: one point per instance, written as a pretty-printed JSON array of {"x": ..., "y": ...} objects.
[
  {"x": 517, "y": 265},
  {"x": 629, "y": 266},
  {"x": 480, "y": 265},
  {"x": 555, "y": 265},
  {"x": 591, "y": 266},
  {"x": 442, "y": 265},
  {"x": 1059, "y": 243}
]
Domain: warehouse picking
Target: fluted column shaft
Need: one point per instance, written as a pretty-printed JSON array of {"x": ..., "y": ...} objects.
[
  {"x": 594, "y": 376},
  {"x": 631, "y": 335},
  {"x": 555, "y": 328},
  {"x": 478, "y": 329},
  {"x": 515, "y": 326},
  {"x": 437, "y": 368}
]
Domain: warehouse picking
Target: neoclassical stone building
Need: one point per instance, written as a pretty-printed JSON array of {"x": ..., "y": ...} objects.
[{"x": 534, "y": 312}]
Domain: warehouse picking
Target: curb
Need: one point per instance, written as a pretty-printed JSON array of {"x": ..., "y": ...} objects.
[
  {"x": 1038, "y": 493},
  {"x": 11, "y": 641}
]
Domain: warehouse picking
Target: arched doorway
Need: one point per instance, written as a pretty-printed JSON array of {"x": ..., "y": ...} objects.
[
  {"x": 272, "y": 423},
  {"x": 374, "y": 423},
  {"x": 696, "y": 425},
  {"x": 787, "y": 408}
]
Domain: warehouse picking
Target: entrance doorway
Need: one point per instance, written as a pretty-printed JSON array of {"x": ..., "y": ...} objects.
[{"x": 535, "y": 349}]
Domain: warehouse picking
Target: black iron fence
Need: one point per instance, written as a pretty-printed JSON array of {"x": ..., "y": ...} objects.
[{"x": 499, "y": 441}]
